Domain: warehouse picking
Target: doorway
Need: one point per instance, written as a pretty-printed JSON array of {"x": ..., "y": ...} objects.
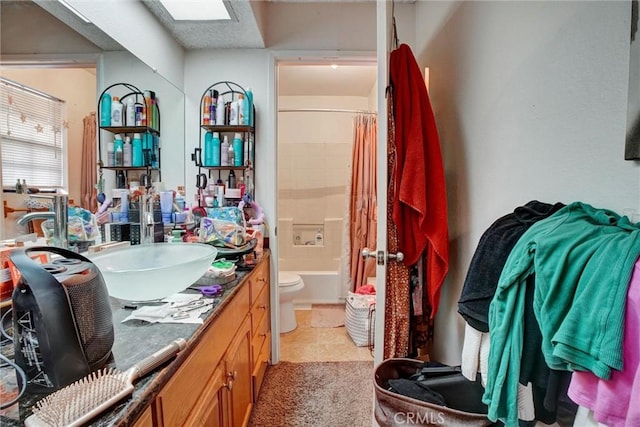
[{"x": 317, "y": 103}]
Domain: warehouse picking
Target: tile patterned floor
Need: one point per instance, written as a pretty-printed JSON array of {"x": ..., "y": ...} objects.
[{"x": 307, "y": 344}]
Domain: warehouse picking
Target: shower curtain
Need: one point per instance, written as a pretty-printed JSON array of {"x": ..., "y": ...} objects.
[
  {"x": 88, "y": 199},
  {"x": 363, "y": 202}
]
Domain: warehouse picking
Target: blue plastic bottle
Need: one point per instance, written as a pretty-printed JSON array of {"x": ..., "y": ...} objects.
[
  {"x": 237, "y": 150},
  {"x": 216, "y": 149},
  {"x": 248, "y": 106},
  {"x": 136, "y": 152},
  {"x": 105, "y": 110},
  {"x": 208, "y": 149}
]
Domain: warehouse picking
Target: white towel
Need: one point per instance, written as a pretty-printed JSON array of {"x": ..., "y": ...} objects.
[
  {"x": 470, "y": 352},
  {"x": 475, "y": 353}
]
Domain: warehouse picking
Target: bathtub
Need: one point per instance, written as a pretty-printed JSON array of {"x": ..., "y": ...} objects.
[{"x": 320, "y": 287}]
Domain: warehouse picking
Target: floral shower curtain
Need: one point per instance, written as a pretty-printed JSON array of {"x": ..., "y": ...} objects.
[
  {"x": 363, "y": 201},
  {"x": 89, "y": 174}
]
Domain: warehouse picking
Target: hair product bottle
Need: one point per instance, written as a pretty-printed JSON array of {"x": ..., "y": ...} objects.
[
  {"x": 216, "y": 149},
  {"x": 127, "y": 151},
  {"x": 237, "y": 150},
  {"x": 136, "y": 151},
  {"x": 224, "y": 152},
  {"x": 208, "y": 149},
  {"x": 105, "y": 110}
]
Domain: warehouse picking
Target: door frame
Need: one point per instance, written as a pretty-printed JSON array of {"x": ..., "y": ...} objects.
[{"x": 275, "y": 59}]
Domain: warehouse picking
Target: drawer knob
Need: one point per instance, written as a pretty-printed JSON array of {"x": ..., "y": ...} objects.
[
  {"x": 262, "y": 279},
  {"x": 263, "y": 335},
  {"x": 229, "y": 385},
  {"x": 262, "y": 306},
  {"x": 233, "y": 375}
]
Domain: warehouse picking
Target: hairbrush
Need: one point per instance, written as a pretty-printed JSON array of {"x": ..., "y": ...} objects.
[{"x": 78, "y": 403}]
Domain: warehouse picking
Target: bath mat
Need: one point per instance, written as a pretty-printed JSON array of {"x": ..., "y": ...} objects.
[
  {"x": 327, "y": 315},
  {"x": 319, "y": 394}
]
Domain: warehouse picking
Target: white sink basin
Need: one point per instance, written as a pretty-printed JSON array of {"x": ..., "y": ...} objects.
[{"x": 148, "y": 272}]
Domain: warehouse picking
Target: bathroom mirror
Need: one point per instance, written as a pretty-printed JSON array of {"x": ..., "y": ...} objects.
[{"x": 63, "y": 40}]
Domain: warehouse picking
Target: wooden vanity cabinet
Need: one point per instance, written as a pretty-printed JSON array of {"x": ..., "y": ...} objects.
[{"x": 219, "y": 381}]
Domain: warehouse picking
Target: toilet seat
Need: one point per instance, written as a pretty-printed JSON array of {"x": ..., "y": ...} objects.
[{"x": 288, "y": 279}]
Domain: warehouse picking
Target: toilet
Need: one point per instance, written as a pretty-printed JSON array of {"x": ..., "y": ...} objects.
[{"x": 288, "y": 285}]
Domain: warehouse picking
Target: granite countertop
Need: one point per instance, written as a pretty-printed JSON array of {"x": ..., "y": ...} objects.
[{"x": 135, "y": 340}]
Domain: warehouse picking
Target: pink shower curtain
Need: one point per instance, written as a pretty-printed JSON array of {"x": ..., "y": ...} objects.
[
  {"x": 363, "y": 204},
  {"x": 88, "y": 172}
]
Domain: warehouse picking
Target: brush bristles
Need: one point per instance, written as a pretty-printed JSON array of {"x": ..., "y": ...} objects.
[{"x": 72, "y": 402}]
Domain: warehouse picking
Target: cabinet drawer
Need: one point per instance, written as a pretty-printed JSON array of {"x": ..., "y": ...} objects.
[
  {"x": 259, "y": 279},
  {"x": 260, "y": 366},
  {"x": 260, "y": 310}
]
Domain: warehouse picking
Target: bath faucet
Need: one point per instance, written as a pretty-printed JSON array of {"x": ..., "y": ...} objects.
[{"x": 60, "y": 216}]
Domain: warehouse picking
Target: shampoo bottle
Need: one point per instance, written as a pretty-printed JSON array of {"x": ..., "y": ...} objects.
[
  {"x": 116, "y": 112},
  {"x": 118, "y": 149},
  {"x": 130, "y": 113},
  {"x": 127, "y": 151},
  {"x": 208, "y": 148},
  {"x": 231, "y": 158},
  {"x": 224, "y": 152},
  {"x": 105, "y": 110},
  {"x": 237, "y": 150},
  {"x": 248, "y": 106},
  {"x": 216, "y": 149},
  {"x": 220, "y": 111},
  {"x": 136, "y": 151},
  {"x": 241, "y": 117},
  {"x": 319, "y": 237}
]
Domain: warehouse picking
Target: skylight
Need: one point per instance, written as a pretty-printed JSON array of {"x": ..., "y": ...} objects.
[{"x": 196, "y": 10}]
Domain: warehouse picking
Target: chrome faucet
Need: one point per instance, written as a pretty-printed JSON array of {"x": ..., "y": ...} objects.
[{"x": 60, "y": 216}]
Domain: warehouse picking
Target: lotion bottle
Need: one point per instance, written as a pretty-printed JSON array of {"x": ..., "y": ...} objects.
[
  {"x": 116, "y": 112},
  {"x": 224, "y": 152}
]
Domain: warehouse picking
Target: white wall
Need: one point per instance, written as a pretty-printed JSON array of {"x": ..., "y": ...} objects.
[{"x": 530, "y": 100}]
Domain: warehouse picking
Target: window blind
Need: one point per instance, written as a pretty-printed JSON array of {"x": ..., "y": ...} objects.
[{"x": 32, "y": 136}]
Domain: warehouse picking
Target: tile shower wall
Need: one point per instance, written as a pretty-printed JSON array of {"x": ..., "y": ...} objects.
[{"x": 314, "y": 165}]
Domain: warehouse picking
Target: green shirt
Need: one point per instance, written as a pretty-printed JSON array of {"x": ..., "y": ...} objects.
[{"x": 582, "y": 258}]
